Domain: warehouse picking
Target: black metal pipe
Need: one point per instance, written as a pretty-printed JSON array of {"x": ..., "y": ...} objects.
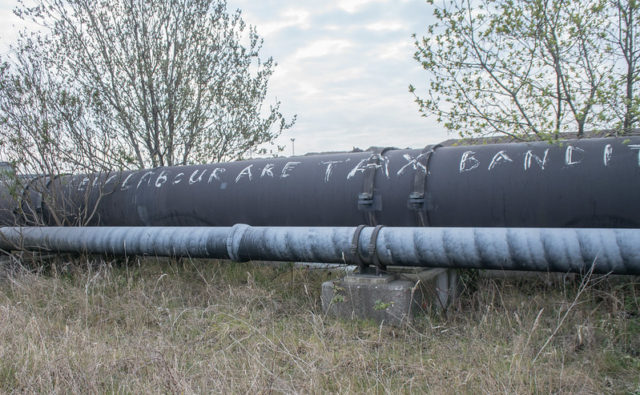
[{"x": 581, "y": 183}]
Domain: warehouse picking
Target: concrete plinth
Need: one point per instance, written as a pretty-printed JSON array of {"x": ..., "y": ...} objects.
[
  {"x": 393, "y": 298},
  {"x": 439, "y": 287}
]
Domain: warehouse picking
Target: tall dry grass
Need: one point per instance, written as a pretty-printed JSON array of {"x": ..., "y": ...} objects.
[{"x": 86, "y": 325}]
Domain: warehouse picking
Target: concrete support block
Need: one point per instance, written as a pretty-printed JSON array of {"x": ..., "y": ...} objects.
[
  {"x": 367, "y": 296},
  {"x": 438, "y": 286},
  {"x": 393, "y": 298}
]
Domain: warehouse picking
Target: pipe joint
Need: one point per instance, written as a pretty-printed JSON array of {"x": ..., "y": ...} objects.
[{"x": 234, "y": 241}]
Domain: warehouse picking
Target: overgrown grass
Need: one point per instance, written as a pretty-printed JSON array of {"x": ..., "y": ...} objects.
[{"x": 202, "y": 326}]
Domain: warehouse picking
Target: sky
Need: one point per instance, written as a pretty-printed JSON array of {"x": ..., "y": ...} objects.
[{"x": 343, "y": 67}]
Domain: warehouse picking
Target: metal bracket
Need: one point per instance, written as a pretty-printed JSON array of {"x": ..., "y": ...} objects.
[
  {"x": 373, "y": 254},
  {"x": 368, "y": 201},
  {"x": 365, "y": 200},
  {"x": 354, "y": 253},
  {"x": 416, "y": 201}
]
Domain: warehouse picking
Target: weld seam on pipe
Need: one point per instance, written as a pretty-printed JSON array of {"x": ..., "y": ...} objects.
[{"x": 234, "y": 239}]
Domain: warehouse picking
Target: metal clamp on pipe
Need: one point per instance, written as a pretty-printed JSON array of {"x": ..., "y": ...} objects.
[
  {"x": 367, "y": 200},
  {"x": 354, "y": 253},
  {"x": 417, "y": 196},
  {"x": 373, "y": 253}
]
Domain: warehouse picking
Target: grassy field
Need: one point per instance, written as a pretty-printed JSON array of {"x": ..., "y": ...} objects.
[{"x": 202, "y": 326}]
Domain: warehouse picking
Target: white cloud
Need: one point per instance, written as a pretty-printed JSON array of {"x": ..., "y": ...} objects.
[
  {"x": 386, "y": 26},
  {"x": 298, "y": 18},
  {"x": 346, "y": 73},
  {"x": 322, "y": 47},
  {"x": 333, "y": 28},
  {"x": 352, "y": 6},
  {"x": 400, "y": 50}
]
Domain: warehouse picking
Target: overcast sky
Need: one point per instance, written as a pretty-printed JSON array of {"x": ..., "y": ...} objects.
[{"x": 343, "y": 67}]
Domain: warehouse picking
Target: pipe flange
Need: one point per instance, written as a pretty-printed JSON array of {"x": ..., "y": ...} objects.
[{"x": 234, "y": 240}]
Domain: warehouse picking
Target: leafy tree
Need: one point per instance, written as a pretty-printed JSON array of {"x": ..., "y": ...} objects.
[
  {"x": 624, "y": 42},
  {"x": 44, "y": 127},
  {"x": 531, "y": 68},
  {"x": 45, "y": 134},
  {"x": 136, "y": 83}
]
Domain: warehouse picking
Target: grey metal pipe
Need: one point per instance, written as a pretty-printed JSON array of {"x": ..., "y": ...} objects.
[
  {"x": 537, "y": 249},
  {"x": 160, "y": 241}
]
